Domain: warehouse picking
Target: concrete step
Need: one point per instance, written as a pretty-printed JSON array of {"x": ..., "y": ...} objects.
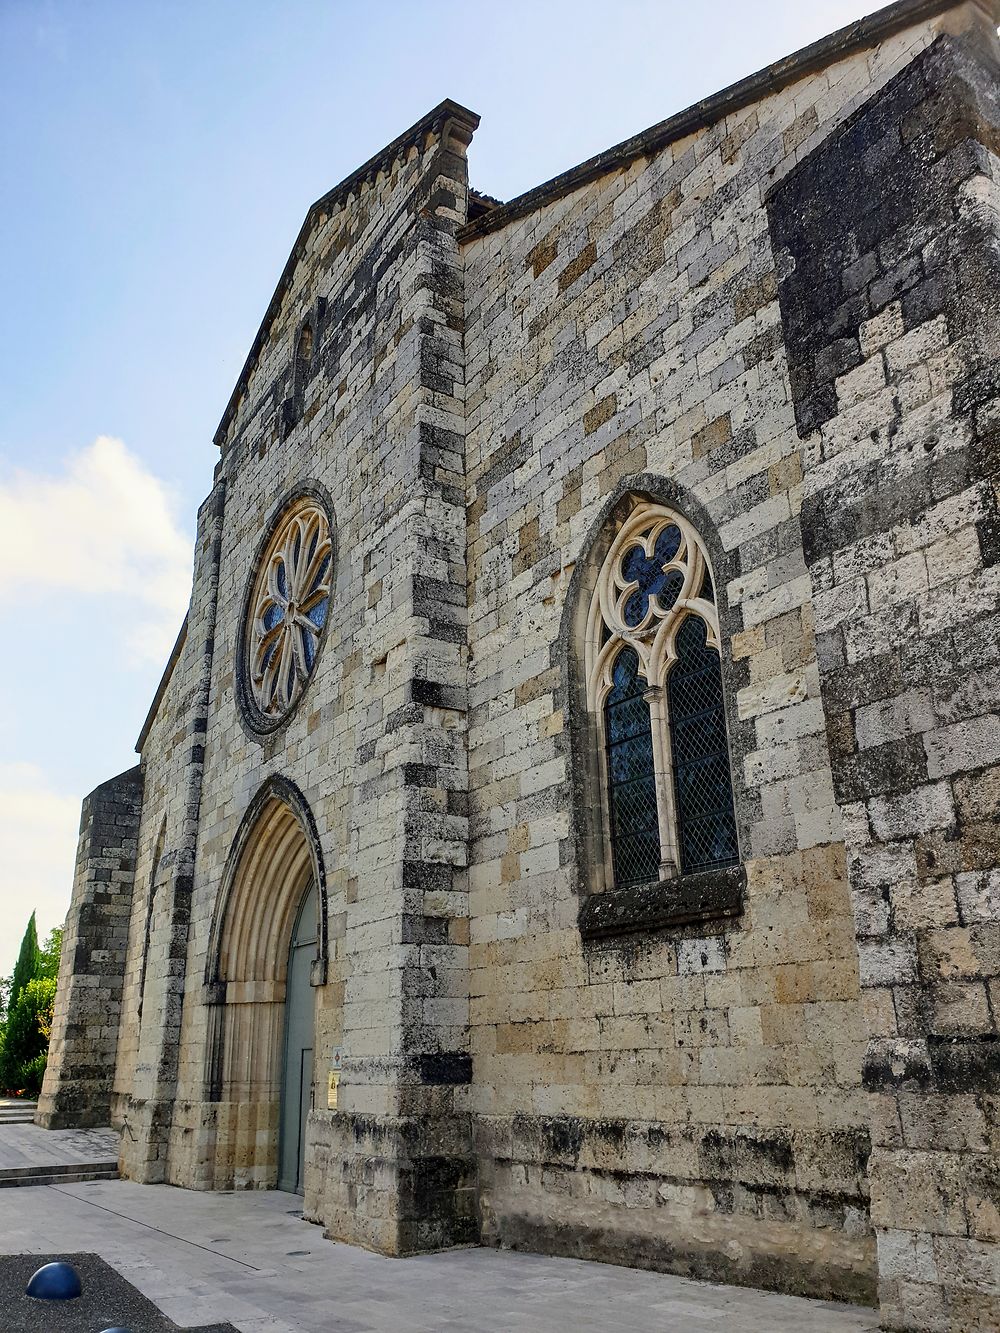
[
  {"x": 53, "y": 1174},
  {"x": 17, "y": 1112}
]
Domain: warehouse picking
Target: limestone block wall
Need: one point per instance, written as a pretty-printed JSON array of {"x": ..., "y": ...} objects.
[
  {"x": 164, "y": 746},
  {"x": 889, "y": 238},
  {"x": 686, "y": 1095},
  {"x": 157, "y": 982},
  {"x": 77, "y": 1087}
]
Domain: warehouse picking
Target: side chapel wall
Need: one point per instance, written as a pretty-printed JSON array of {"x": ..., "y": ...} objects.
[{"x": 626, "y": 339}]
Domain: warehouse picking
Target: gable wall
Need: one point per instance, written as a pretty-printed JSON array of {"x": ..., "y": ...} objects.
[{"x": 376, "y": 431}]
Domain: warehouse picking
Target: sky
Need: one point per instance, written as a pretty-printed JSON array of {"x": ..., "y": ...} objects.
[{"x": 156, "y": 162}]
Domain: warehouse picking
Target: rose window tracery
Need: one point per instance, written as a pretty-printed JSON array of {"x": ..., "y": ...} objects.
[{"x": 288, "y": 609}]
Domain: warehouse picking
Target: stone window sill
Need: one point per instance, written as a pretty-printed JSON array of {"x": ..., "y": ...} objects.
[{"x": 711, "y": 895}]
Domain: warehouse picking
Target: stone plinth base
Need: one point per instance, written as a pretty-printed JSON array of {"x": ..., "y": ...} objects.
[{"x": 398, "y": 1185}]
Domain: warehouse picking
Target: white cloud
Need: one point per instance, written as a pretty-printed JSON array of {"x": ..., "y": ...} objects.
[
  {"x": 38, "y": 831},
  {"x": 103, "y": 527}
]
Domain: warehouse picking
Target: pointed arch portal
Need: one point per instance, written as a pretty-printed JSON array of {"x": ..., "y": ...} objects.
[{"x": 268, "y": 950}]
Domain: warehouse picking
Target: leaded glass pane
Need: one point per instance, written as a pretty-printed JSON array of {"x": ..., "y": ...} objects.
[
  {"x": 706, "y": 821},
  {"x": 635, "y": 837}
]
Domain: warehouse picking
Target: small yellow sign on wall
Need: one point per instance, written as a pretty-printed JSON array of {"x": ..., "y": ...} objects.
[{"x": 332, "y": 1088}]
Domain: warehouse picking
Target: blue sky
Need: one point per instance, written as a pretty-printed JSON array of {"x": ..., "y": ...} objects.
[{"x": 157, "y": 159}]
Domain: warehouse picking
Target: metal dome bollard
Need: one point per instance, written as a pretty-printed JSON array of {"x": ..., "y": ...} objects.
[
  {"x": 116, "y": 1330},
  {"x": 55, "y": 1282}
]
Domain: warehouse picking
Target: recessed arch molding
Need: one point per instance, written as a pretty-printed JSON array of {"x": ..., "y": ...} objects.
[
  {"x": 258, "y": 848},
  {"x": 274, "y": 857},
  {"x": 693, "y": 897}
]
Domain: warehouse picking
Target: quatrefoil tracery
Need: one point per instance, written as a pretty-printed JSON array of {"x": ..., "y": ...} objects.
[
  {"x": 650, "y": 576},
  {"x": 655, "y": 574}
]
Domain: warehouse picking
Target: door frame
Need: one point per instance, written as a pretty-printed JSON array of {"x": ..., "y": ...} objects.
[{"x": 284, "y": 1128}]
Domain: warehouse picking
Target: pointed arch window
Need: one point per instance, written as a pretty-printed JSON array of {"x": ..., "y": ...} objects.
[
  {"x": 654, "y": 688},
  {"x": 635, "y": 837}
]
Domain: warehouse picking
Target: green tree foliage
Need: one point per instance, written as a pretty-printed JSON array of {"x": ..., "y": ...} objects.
[
  {"x": 50, "y": 952},
  {"x": 25, "y": 1038},
  {"x": 26, "y": 1003},
  {"x": 28, "y": 965}
]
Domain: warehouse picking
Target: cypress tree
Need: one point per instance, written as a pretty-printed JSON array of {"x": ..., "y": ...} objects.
[
  {"x": 25, "y": 1036},
  {"x": 28, "y": 965}
]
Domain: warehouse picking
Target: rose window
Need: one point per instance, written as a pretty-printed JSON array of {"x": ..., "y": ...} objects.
[{"x": 288, "y": 609}]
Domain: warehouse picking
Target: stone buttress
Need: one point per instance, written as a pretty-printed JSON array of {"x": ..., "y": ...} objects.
[
  {"x": 77, "y": 1087},
  {"x": 888, "y": 239}
]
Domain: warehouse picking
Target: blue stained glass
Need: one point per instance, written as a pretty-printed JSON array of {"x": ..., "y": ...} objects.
[
  {"x": 318, "y": 613},
  {"x": 706, "y": 820},
  {"x": 308, "y": 649},
  {"x": 647, "y": 571},
  {"x": 296, "y": 548},
  {"x": 268, "y": 654},
  {"x": 635, "y": 608},
  {"x": 635, "y": 838},
  {"x": 279, "y": 578},
  {"x": 272, "y": 616}
]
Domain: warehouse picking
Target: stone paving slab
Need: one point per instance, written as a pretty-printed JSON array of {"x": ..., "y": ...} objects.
[
  {"x": 251, "y": 1260},
  {"x": 107, "y": 1300},
  {"x": 30, "y": 1146}
]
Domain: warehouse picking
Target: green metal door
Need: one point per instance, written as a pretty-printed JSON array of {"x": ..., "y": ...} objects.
[{"x": 296, "y": 1088}]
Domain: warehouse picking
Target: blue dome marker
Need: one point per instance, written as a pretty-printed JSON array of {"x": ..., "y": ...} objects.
[{"x": 55, "y": 1282}]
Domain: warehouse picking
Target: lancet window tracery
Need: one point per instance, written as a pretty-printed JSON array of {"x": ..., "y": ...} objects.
[{"x": 654, "y": 688}]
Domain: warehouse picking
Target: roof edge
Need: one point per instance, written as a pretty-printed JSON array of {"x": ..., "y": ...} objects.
[
  {"x": 161, "y": 689},
  {"x": 856, "y": 36},
  {"x": 444, "y": 110}
]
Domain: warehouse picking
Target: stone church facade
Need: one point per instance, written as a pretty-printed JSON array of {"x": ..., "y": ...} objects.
[{"x": 570, "y": 817}]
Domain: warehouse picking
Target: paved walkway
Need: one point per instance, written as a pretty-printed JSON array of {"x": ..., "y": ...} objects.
[
  {"x": 250, "y": 1259},
  {"x": 26, "y": 1150}
]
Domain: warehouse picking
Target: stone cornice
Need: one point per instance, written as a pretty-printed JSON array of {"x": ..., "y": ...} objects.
[
  {"x": 432, "y": 122},
  {"x": 161, "y": 689},
  {"x": 857, "y": 36}
]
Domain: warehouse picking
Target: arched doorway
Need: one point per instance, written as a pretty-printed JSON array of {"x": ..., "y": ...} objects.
[
  {"x": 268, "y": 934},
  {"x": 297, "y": 1081}
]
